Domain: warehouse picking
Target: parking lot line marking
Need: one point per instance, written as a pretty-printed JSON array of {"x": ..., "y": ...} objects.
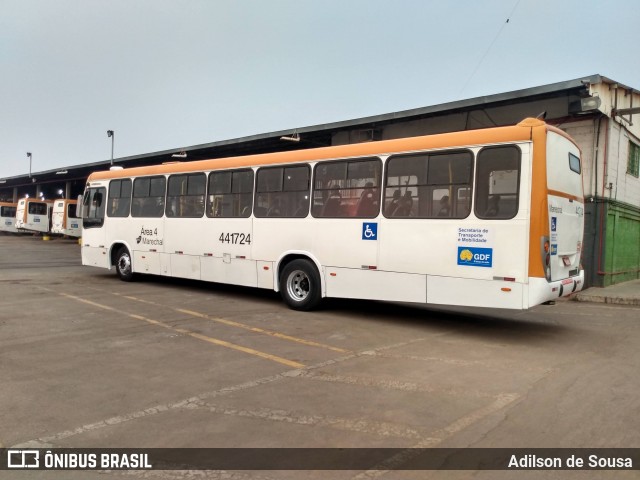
[
  {"x": 438, "y": 436},
  {"x": 449, "y": 361},
  {"x": 364, "y": 381},
  {"x": 197, "y": 400},
  {"x": 232, "y": 323},
  {"x": 360, "y": 425},
  {"x": 261, "y": 330},
  {"x": 199, "y": 336}
]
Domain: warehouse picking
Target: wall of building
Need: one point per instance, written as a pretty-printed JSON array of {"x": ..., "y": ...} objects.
[
  {"x": 622, "y": 244},
  {"x": 612, "y": 194}
]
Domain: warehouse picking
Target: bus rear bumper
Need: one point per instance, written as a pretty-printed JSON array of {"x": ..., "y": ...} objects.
[{"x": 541, "y": 291}]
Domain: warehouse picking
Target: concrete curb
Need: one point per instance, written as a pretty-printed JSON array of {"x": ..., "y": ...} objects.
[{"x": 607, "y": 299}]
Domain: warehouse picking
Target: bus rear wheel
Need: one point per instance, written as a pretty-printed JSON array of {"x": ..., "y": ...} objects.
[
  {"x": 300, "y": 285},
  {"x": 123, "y": 265}
]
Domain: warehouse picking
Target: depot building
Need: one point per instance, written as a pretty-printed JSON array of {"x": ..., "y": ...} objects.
[{"x": 600, "y": 114}]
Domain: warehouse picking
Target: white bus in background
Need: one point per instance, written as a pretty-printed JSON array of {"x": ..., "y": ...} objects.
[
  {"x": 63, "y": 218},
  {"x": 485, "y": 218},
  {"x": 8, "y": 217},
  {"x": 34, "y": 215}
]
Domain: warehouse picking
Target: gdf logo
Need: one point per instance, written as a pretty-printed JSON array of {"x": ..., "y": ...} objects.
[{"x": 475, "y": 257}]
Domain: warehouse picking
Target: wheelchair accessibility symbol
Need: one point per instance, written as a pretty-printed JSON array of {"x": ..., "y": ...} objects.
[{"x": 369, "y": 231}]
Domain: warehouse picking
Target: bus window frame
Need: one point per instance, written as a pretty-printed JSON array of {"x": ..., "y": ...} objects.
[
  {"x": 572, "y": 164},
  {"x": 479, "y": 190},
  {"x": 11, "y": 209},
  {"x": 109, "y": 198},
  {"x": 70, "y": 209},
  {"x": 133, "y": 197},
  {"x": 209, "y": 204},
  {"x": 282, "y": 191},
  {"x": 330, "y": 191},
  {"x": 186, "y": 198},
  {"x": 430, "y": 187},
  {"x": 31, "y": 210}
]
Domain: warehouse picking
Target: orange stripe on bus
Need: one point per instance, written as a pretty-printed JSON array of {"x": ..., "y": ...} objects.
[{"x": 539, "y": 221}]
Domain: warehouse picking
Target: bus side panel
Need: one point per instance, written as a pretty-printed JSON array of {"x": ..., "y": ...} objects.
[
  {"x": 8, "y": 225},
  {"x": 184, "y": 266},
  {"x": 434, "y": 247},
  {"x": 183, "y": 241},
  {"x": 94, "y": 252},
  {"x": 375, "y": 285},
  {"x": 146, "y": 262},
  {"x": 147, "y": 239},
  {"x": 73, "y": 227},
  {"x": 477, "y": 293},
  {"x": 235, "y": 271},
  {"x": 225, "y": 246},
  {"x": 332, "y": 241}
]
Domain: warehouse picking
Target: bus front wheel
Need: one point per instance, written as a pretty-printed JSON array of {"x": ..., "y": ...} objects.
[
  {"x": 123, "y": 265},
  {"x": 300, "y": 285}
]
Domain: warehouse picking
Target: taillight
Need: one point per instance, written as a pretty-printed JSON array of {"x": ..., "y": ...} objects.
[{"x": 545, "y": 254}]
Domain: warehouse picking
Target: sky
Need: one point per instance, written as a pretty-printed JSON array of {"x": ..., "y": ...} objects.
[{"x": 167, "y": 74}]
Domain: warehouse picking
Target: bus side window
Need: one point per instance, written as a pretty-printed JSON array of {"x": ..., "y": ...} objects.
[
  {"x": 497, "y": 182},
  {"x": 185, "y": 195},
  {"x": 230, "y": 194},
  {"x": 427, "y": 185},
  {"x": 148, "y": 197},
  {"x": 348, "y": 188},
  {"x": 119, "y": 198},
  {"x": 282, "y": 192}
]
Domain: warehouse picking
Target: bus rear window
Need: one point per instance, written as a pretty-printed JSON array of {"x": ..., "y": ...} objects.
[
  {"x": 574, "y": 163},
  {"x": 37, "y": 208},
  {"x": 8, "y": 212}
]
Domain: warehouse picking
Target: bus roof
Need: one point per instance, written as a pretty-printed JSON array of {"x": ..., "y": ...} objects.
[{"x": 519, "y": 132}]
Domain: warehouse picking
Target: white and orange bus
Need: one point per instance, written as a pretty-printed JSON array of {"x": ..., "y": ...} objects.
[
  {"x": 487, "y": 218},
  {"x": 34, "y": 215},
  {"x": 63, "y": 218},
  {"x": 8, "y": 217}
]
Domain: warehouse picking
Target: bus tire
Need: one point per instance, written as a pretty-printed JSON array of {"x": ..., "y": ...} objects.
[
  {"x": 124, "y": 267},
  {"x": 300, "y": 285}
]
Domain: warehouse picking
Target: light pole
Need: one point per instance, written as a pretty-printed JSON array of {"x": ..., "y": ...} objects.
[
  {"x": 111, "y": 133},
  {"x": 29, "y": 155}
]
